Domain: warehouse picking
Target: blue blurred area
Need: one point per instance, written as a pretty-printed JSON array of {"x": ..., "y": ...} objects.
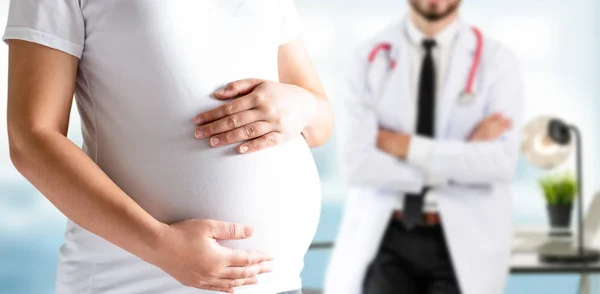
[{"x": 31, "y": 233}]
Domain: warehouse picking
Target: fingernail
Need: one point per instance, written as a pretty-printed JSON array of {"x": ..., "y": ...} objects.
[
  {"x": 198, "y": 120},
  {"x": 248, "y": 231},
  {"x": 243, "y": 149},
  {"x": 220, "y": 92},
  {"x": 214, "y": 141},
  {"x": 199, "y": 134}
]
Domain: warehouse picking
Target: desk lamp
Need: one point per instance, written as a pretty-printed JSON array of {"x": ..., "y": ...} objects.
[{"x": 547, "y": 142}]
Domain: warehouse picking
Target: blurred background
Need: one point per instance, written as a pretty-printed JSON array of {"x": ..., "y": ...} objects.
[{"x": 557, "y": 43}]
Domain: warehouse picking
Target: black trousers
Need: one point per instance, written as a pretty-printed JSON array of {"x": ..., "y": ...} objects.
[{"x": 412, "y": 262}]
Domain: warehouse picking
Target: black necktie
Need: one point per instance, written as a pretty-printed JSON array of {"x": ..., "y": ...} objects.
[{"x": 413, "y": 203}]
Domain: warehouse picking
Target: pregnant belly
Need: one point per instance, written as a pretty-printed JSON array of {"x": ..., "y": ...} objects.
[{"x": 276, "y": 191}]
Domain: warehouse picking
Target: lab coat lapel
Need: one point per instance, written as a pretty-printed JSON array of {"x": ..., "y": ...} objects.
[
  {"x": 460, "y": 64},
  {"x": 395, "y": 96}
]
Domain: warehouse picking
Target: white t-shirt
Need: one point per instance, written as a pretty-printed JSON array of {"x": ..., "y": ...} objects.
[{"x": 147, "y": 67}]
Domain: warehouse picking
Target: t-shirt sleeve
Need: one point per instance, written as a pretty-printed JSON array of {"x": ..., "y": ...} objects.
[
  {"x": 291, "y": 27},
  {"x": 56, "y": 24}
]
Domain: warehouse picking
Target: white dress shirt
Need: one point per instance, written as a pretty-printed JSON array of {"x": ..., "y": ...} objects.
[{"x": 420, "y": 147}]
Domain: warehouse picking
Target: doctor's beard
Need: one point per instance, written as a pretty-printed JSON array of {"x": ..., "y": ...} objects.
[{"x": 434, "y": 10}]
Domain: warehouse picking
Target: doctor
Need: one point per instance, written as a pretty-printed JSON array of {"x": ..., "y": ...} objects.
[{"x": 433, "y": 116}]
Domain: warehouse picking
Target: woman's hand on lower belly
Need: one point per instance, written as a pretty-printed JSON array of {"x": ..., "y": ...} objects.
[{"x": 190, "y": 253}]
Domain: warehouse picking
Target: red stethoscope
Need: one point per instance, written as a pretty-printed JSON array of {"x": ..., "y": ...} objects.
[{"x": 467, "y": 95}]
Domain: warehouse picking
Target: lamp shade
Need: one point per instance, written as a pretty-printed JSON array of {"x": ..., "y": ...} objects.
[{"x": 546, "y": 142}]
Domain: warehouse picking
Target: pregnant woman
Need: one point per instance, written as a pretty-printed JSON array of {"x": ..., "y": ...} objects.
[{"x": 198, "y": 117}]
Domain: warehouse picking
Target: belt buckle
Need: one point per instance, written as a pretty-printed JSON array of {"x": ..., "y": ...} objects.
[
  {"x": 427, "y": 218},
  {"x": 431, "y": 219}
]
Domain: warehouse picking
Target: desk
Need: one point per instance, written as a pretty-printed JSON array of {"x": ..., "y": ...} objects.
[
  {"x": 524, "y": 257},
  {"x": 528, "y": 263}
]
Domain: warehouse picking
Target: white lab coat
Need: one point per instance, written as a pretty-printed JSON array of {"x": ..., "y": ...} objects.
[{"x": 474, "y": 201}]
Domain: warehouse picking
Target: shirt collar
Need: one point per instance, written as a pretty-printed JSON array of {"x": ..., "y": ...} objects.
[{"x": 442, "y": 39}]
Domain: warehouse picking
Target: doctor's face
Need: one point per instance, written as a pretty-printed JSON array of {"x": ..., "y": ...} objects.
[{"x": 434, "y": 10}]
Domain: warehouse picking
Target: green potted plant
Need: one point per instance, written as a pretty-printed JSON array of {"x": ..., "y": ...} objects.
[{"x": 560, "y": 191}]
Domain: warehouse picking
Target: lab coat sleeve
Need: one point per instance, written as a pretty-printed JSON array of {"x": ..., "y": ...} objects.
[
  {"x": 419, "y": 154},
  {"x": 364, "y": 164},
  {"x": 476, "y": 163}
]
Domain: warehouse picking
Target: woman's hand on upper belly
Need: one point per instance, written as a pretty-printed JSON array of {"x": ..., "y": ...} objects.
[
  {"x": 190, "y": 253},
  {"x": 264, "y": 112}
]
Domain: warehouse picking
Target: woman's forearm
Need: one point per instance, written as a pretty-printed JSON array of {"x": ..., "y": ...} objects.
[
  {"x": 81, "y": 191},
  {"x": 296, "y": 68},
  {"x": 319, "y": 129}
]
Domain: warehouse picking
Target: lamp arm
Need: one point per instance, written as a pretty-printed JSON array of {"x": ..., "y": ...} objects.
[{"x": 580, "y": 202}]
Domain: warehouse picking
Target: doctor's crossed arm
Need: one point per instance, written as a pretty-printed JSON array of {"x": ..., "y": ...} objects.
[
  {"x": 364, "y": 163},
  {"x": 491, "y": 128},
  {"x": 489, "y": 154}
]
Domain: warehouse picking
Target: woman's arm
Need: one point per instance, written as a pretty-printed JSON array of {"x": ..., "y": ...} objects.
[
  {"x": 269, "y": 113},
  {"x": 40, "y": 94},
  {"x": 296, "y": 68}
]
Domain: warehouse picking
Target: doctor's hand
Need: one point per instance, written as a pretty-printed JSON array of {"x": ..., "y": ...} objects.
[
  {"x": 393, "y": 143},
  {"x": 189, "y": 252},
  {"x": 491, "y": 128},
  {"x": 267, "y": 113}
]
